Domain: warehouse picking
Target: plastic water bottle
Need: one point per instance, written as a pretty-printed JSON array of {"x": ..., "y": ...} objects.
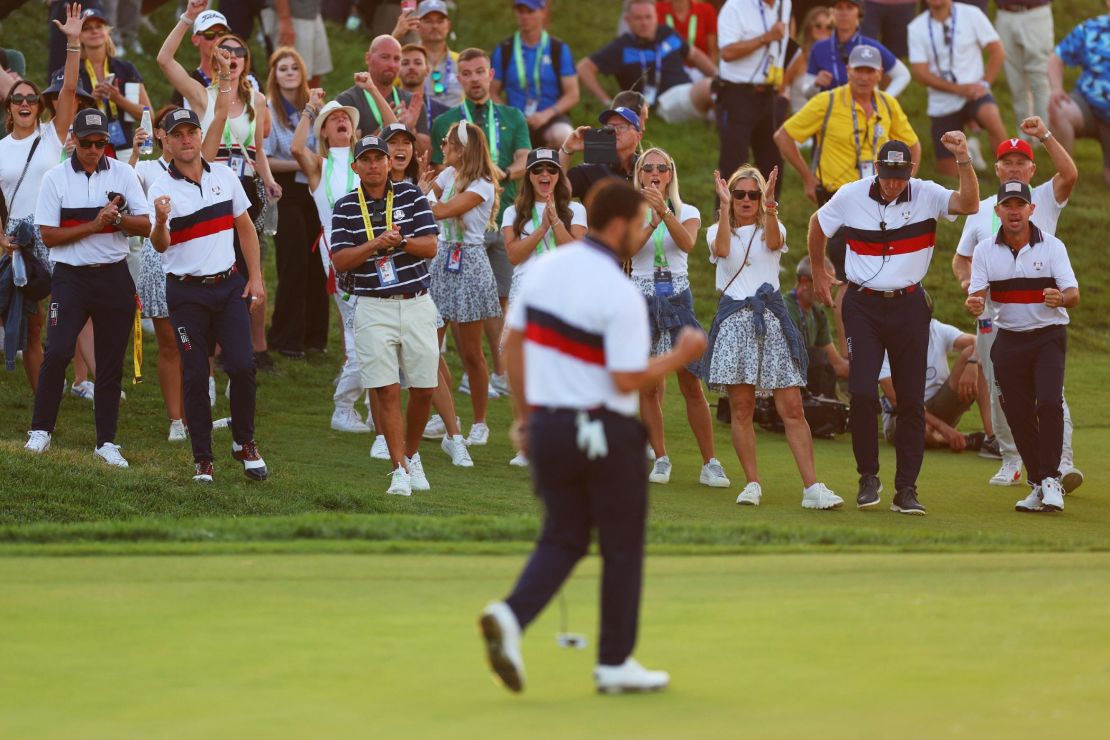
[
  {"x": 147, "y": 147},
  {"x": 19, "y": 269},
  {"x": 270, "y": 218}
]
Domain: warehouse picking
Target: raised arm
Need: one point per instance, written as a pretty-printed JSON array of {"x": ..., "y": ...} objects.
[
  {"x": 306, "y": 158},
  {"x": 67, "y": 100},
  {"x": 177, "y": 75},
  {"x": 1066, "y": 172},
  {"x": 965, "y": 200},
  {"x": 210, "y": 147}
]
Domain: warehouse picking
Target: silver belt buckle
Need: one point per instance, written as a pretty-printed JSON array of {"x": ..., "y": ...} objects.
[{"x": 889, "y": 293}]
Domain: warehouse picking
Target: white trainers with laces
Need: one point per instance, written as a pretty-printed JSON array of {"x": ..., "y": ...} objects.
[
  {"x": 435, "y": 428},
  {"x": 379, "y": 450},
  {"x": 1009, "y": 474},
  {"x": 1052, "y": 494},
  {"x": 417, "y": 479},
  {"x": 479, "y": 434},
  {"x": 177, "y": 431},
  {"x": 464, "y": 387},
  {"x": 650, "y": 453},
  {"x": 84, "y": 390},
  {"x": 455, "y": 447},
  {"x": 713, "y": 474},
  {"x": 38, "y": 441},
  {"x": 520, "y": 460},
  {"x": 400, "y": 484},
  {"x": 501, "y": 633},
  {"x": 348, "y": 420},
  {"x": 110, "y": 454},
  {"x": 629, "y": 677},
  {"x": 499, "y": 383},
  {"x": 661, "y": 471},
  {"x": 1071, "y": 477},
  {"x": 818, "y": 496},
  {"x": 750, "y": 495},
  {"x": 1032, "y": 502}
]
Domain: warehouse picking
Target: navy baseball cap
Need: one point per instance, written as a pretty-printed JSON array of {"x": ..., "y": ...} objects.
[
  {"x": 626, "y": 113},
  {"x": 542, "y": 156},
  {"x": 180, "y": 117},
  {"x": 894, "y": 160},
  {"x": 865, "y": 56},
  {"x": 1015, "y": 189},
  {"x": 93, "y": 12},
  {"x": 89, "y": 121},
  {"x": 370, "y": 144},
  {"x": 396, "y": 128},
  {"x": 55, "y": 88}
]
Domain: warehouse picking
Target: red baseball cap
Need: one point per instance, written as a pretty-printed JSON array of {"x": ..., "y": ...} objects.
[{"x": 1021, "y": 146}]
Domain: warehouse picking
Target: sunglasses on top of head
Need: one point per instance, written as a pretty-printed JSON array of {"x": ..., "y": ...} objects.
[
  {"x": 749, "y": 194},
  {"x": 236, "y": 51},
  {"x": 20, "y": 98},
  {"x": 662, "y": 169}
]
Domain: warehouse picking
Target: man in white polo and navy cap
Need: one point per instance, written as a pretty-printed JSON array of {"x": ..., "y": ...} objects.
[
  {"x": 577, "y": 352},
  {"x": 87, "y": 207},
  {"x": 198, "y": 208},
  {"x": 890, "y": 225}
]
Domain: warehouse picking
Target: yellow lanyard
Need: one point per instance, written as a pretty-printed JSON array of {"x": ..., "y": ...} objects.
[
  {"x": 366, "y": 212},
  {"x": 96, "y": 81}
]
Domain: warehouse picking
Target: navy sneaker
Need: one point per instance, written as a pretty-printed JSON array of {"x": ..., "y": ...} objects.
[
  {"x": 869, "y": 488},
  {"x": 905, "y": 502}
]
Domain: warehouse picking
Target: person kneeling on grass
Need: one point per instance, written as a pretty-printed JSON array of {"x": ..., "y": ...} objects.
[{"x": 1029, "y": 276}]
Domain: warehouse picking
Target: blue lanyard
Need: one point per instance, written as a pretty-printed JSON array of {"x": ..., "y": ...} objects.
[
  {"x": 855, "y": 127},
  {"x": 950, "y": 75},
  {"x": 837, "y": 80},
  {"x": 658, "y": 65}
]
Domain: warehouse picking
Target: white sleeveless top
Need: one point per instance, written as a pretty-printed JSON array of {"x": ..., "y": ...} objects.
[{"x": 240, "y": 133}]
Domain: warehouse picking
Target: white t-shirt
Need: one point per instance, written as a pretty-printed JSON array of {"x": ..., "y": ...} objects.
[
  {"x": 475, "y": 220},
  {"x": 985, "y": 223},
  {"x": 582, "y": 320},
  {"x": 762, "y": 264},
  {"x": 643, "y": 262},
  {"x": 577, "y": 218},
  {"x": 942, "y": 340},
  {"x": 961, "y": 61},
  {"x": 741, "y": 20},
  {"x": 13, "y": 155},
  {"x": 149, "y": 170}
]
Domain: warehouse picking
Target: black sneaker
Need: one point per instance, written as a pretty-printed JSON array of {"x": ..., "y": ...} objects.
[
  {"x": 869, "y": 488},
  {"x": 905, "y": 502},
  {"x": 990, "y": 448},
  {"x": 974, "y": 442},
  {"x": 263, "y": 363}
]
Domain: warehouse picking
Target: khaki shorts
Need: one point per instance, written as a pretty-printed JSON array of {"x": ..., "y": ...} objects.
[
  {"x": 395, "y": 335},
  {"x": 675, "y": 105},
  {"x": 311, "y": 41}
]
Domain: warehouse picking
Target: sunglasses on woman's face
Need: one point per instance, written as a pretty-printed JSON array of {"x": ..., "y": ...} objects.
[
  {"x": 20, "y": 98},
  {"x": 545, "y": 169},
  {"x": 662, "y": 169},
  {"x": 236, "y": 51},
  {"x": 749, "y": 194}
]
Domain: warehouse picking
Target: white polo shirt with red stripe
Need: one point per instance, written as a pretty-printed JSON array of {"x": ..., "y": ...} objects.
[
  {"x": 69, "y": 196},
  {"x": 1017, "y": 280},
  {"x": 582, "y": 319},
  {"x": 890, "y": 245},
  {"x": 202, "y": 219}
]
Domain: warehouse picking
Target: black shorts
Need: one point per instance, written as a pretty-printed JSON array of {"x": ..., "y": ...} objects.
[{"x": 956, "y": 122}]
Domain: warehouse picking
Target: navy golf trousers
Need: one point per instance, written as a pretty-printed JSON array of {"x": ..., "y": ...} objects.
[
  {"x": 106, "y": 294},
  {"x": 579, "y": 495}
]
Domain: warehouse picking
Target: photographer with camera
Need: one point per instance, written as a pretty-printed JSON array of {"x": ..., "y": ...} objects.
[{"x": 610, "y": 151}]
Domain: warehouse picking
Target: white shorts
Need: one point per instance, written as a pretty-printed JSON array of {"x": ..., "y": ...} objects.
[
  {"x": 676, "y": 106},
  {"x": 311, "y": 41},
  {"x": 395, "y": 335}
]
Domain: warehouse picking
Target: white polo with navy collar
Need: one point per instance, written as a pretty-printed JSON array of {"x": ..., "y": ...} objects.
[
  {"x": 70, "y": 196},
  {"x": 202, "y": 219}
]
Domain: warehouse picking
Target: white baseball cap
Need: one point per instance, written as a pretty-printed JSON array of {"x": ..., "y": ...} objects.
[{"x": 207, "y": 19}]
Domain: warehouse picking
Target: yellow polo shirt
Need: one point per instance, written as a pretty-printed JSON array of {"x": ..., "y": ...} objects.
[{"x": 839, "y": 165}]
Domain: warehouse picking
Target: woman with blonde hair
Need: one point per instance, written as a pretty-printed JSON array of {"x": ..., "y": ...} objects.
[
  {"x": 753, "y": 343},
  {"x": 659, "y": 270},
  {"x": 463, "y": 285}
]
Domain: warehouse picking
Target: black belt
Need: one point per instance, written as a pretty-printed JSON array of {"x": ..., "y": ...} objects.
[
  {"x": 94, "y": 267},
  {"x": 1022, "y": 8},
  {"x": 886, "y": 293},
  {"x": 401, "y": 296},
  {"x": 216, "y": 279},
  {"x": 760, "y": 88}
]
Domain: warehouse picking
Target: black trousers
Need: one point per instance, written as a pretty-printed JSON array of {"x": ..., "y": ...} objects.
[
  {"x": 107, "y": 296},
  {"x": 579, "y": 495},
  {"x": 204, "y": 315},
  {"x": 746, "y": 121},
  {"x": 900, "y": 327},
  {"x": 1029, "y": 371},
  {"x": 300, "y": 317}
]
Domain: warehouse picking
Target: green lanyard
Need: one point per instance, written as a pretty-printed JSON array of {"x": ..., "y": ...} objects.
[
  {"x": 491, "y": 126},
  {"x": 518, "y": 56},
  {"x": 547, "y": 242},
  {"x": 996, "y": 223},
  {"x": 451, "y": 226},
  {"x": 691, "y": 30},
  {"x": 658, "y": 236},
  {"x": 328, "y": 167},
  {"x": 374, "y": 105}
]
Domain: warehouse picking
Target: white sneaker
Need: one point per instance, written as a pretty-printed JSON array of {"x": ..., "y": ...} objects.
[
  {"x": 479, "y": 434},
  {"x": 501, "y": 633},
  {"x": 661, "y": 471},
  {"x": 464, "y": 387},
  {"x": 750, "y": 495},
  {"x": 520, "y": 460},
  {"x": 818, "y": 496},
  {"x": 38, "y": 441},
  {"x": 110, "y": 454},
  {"x": 650, "y": 453},
  {"x": 417, "y": 479},
  {"x": 435, "y": 428},
  {"x": 1052, "y": 494},
  {"x": 975, "y": 151},
  {"x": 1032, "y": 502},
  {"x": 1009, "y": 474},
  {"x": 455, "y": 447},
  {"x": 211, "y": 391},
  {"x": 379, "y": 450},
  {"x": 1071, "y": 477},
  {"x": 83, "y": 390},
  {"x": 713, "y": 474},
  {"x": 348, "y": 420},
  {"x": 499, "y": 383},
  {"x": 628, "y": 677},
  {"x": 400, "y": 484},
  {"x": 224, "y": 422},
  {"x": 177, "y": 431}
]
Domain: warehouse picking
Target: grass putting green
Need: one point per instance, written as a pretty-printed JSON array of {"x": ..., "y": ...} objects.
[{"x": 385, "y": 646}]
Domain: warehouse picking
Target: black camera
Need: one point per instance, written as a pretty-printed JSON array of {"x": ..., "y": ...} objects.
[{"x": 601, "y": 146}]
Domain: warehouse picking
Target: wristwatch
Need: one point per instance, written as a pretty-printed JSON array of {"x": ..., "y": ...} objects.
[{"x": 119, "y": 219}]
